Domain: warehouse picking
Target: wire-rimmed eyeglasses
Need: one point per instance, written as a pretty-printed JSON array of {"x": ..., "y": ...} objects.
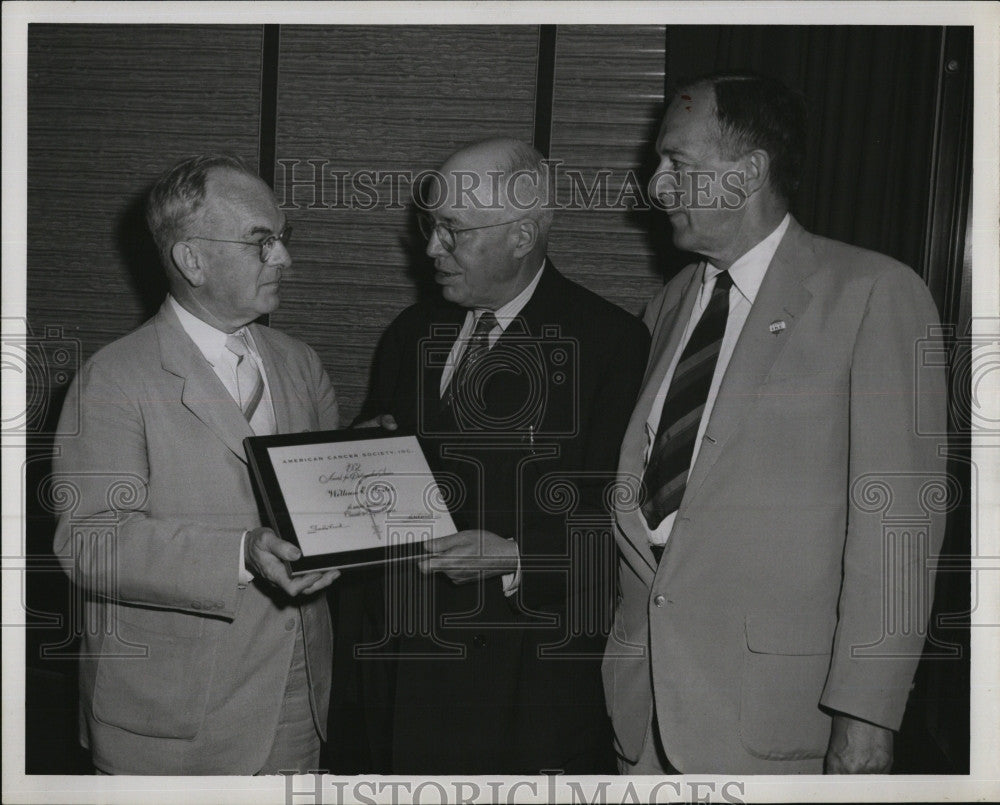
[
  {"x": 446, "y": 234},
  {"x": 265, "y": 246}
]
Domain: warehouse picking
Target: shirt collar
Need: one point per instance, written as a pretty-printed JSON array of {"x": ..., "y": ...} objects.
[
  {"x": 748, "y": 271},
  {"x": 505, "y": 314},
  {"x": 209, "y": 340}
]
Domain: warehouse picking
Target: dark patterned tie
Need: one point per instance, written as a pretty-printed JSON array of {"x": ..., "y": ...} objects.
[
  {"x": 478, "y": 345},
  {"x": 670, "y": 459}
]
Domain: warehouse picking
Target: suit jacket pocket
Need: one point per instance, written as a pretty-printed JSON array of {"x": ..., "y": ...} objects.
[
  {"x": 160, "y": 686},
  {"x": 785, "y": 665}
]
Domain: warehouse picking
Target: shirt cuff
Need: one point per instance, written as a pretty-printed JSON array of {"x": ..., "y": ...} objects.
[
  {"x": 511, "y": 581},
  {"x": 244, "y": 575}
]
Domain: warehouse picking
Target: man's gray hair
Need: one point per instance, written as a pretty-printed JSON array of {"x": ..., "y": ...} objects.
[{"x": 178, "y": 195}]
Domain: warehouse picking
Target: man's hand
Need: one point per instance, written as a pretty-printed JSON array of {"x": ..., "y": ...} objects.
[
  {"x": 857, "y": 747},
  {"x": 470, "y": 555},
  {"x": 265, "y": 553},
  {"x": 384, "y": 421}
]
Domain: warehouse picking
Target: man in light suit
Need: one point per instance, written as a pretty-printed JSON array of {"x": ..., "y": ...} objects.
[
  {"x": 779, "y": 404},
  {"x": 201, "y": 654}
]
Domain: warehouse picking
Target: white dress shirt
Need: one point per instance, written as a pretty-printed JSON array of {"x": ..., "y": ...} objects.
[
  {"x": 747, "y": 274},
  {"x": 505, "y": 314},
  {"x": 212, "y": 344}
]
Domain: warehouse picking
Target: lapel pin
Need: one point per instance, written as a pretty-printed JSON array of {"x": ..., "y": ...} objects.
[{"x": 777, "y": 326}]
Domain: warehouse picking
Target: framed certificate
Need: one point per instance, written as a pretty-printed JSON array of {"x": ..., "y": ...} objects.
[{"x": 348, "y": 497}]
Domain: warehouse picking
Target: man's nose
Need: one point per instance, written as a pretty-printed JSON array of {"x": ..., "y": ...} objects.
[
  {"x": 279, "y": 256},
  {"x": 434, "y": 246}
]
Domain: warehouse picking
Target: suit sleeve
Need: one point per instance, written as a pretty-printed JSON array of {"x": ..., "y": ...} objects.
[
  {"x": 386, "y": 368},
  {"x": 895, "y": 514},
  {"x": 591, "y": 464},
  {"x": 107, "y": 540},
  {"x": 323, "y": 395}
]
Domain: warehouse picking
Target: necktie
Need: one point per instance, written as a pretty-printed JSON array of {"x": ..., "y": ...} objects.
[
  {"x": 670, "y": 459},
  {"x": 478, "y": 345},
  {"x": 250, "y": 384}
]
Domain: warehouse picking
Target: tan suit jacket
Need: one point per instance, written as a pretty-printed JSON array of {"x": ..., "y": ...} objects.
[
  {"x": 182, "y": 671},
  {"x": 793, "y": 582}
]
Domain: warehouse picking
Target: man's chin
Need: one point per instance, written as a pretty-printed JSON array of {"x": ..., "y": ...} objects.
[
  {"x": 682, "y": 239},
  {"x": 451, "y": 294},
  {"x": 268, "y": 303}
]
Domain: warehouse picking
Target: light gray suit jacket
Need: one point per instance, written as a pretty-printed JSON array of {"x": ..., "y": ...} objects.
[
  {"x": 182, "y": 671},
  {"x": 793, "y": 582}
]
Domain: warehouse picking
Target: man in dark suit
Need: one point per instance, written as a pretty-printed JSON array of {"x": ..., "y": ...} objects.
[
  {"x": 201, "y": 654},
  {"x": 770, "y": 620},
  {"x": 519, "y": 384}
]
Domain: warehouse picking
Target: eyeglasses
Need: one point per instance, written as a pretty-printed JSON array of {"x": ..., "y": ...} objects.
[
  {"x": 266, "y": 245},
  {"x": 446, "y": 234}
]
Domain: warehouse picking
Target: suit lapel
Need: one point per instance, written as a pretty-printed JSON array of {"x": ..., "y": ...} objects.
[
  {"x": 442, "y": 333},
  {"x": 666, "y": 338},
  {"x": 203, "y": 393},
  {"x": 782, "y": 297}
]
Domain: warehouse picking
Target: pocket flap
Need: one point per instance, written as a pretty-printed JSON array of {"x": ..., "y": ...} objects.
[{"x": 782, "y": 633}]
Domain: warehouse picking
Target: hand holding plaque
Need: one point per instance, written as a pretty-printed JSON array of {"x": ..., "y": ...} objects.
[
  {"x": 350, "y": 497},
  {"x": 266, "y": 556}
]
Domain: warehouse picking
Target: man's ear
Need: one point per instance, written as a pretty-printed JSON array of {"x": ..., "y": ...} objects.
[
  {"x": 757, "y": 167},
  {"x": 188, "y": 263},
  {"x": 526, "y": 236}
]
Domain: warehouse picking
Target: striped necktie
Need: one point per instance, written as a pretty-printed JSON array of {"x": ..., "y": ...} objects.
[
  {"x": 250, "y": 385},
  {"x": 670, "y": 459},
  {"x": 478, "y": 345}
]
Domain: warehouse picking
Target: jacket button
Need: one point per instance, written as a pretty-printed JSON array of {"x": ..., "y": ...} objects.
[
  {"x": 659, "y": 600},
  {"x": 289, "y": 624}
]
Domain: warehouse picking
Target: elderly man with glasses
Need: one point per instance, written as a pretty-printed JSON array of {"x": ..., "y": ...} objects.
[
  {"x": 483, "y": 657},
  {"x": 201, "y": 654}
]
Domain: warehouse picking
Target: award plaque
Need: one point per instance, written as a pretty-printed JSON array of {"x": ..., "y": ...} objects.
[{"x": 348, "y": 497}]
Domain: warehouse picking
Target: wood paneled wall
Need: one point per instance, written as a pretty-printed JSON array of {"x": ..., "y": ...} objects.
[
  {"x": 379, "y": 99},
  {"x": 607, "y": 104},
  {"x": 109, "y": 107},
  {"x": 112, "y": 106}
]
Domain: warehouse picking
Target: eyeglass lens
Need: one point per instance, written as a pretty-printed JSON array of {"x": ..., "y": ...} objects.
[{"x": 267, "y": 245}]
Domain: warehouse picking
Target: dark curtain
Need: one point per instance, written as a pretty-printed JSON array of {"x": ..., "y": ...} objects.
[
  {"x": 888, "y": 167},
  {"x": 871, "y": 95}
]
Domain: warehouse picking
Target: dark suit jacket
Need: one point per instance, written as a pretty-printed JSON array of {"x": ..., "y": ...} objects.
[{"x": 490, "y": 683}]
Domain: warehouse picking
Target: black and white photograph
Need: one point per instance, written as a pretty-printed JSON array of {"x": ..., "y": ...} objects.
[{"x": 500, "y": 402}]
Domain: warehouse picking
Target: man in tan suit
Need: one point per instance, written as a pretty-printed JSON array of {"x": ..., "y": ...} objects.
[
  {"x": 768, "y": 620},
  {"x": 201, "y": 654}
]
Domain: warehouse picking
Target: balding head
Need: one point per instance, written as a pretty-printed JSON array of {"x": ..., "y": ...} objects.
[
  {"x": 501, "y": 174},
  {"x": 492, "y": 222}
]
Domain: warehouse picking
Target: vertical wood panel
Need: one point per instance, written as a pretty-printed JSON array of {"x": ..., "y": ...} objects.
[
  {"x": 356, "y": 98},
  {"x": 608, "y": 103},
  {"x": 109, "y": 108}
]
